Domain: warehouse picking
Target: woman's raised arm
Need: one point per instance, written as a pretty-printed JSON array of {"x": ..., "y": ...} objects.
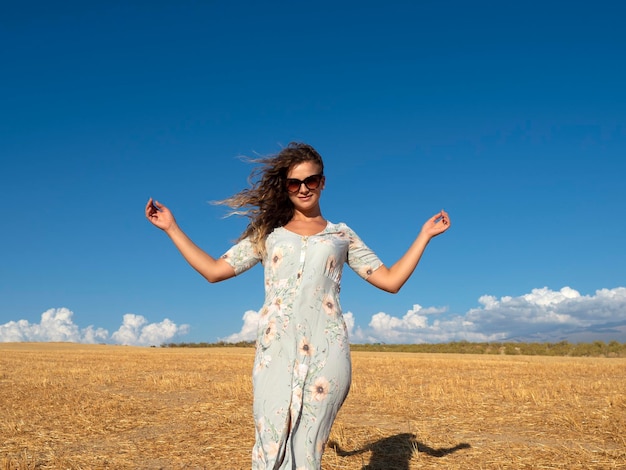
[
  {"x": 393, "y": 278},
  {"x": 213, "y": 270}
]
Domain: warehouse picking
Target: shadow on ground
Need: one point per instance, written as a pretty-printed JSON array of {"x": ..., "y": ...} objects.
[{"x": 395, "y": 452}]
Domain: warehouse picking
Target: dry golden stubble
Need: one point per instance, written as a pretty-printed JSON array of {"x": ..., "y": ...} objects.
[{"x": 77, "y": 406}]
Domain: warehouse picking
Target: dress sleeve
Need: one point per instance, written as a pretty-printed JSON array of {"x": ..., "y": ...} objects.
[
  {"x": 361, "y": 258},
  {"x": 242, "y": 256}
]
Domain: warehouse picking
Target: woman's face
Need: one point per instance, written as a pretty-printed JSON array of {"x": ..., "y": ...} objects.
[{"x": 307, "y": 196}]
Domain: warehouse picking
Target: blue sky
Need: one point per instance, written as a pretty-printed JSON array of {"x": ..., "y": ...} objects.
[{"x": 511, "y": 116}]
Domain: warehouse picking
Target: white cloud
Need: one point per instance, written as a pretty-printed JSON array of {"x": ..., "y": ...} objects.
[
  {"x": 419, "y": 325},
  {"x": 248, "y": 330},
  {"x": 545, "y": 313},
  {"x": 57, "y": 325},
  {"x": 136, "y": 330},
  {"x": 542, "y": 314}
]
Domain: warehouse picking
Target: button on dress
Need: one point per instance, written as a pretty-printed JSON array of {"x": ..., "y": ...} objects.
[{"x": 302, "y": 368}]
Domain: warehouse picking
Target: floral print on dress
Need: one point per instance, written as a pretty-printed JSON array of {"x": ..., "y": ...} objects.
[{"x": 302, "y": 368}]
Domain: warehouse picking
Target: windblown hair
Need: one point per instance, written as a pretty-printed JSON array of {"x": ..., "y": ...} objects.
[{"x": 266, "y": 202}]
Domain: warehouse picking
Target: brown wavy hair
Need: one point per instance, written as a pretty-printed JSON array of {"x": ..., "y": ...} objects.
[{"x": 266, "y": 202}]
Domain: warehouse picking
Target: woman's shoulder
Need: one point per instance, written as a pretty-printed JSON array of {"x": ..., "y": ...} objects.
[
  {"x": 331, "y": 226},
  {"x": 339, "y": 227}
]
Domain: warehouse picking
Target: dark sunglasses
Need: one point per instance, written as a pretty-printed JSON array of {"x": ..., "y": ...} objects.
[{"x": 311, "y": 182}]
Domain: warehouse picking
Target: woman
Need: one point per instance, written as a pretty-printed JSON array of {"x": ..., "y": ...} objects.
[{"x": 302, "y": 364}]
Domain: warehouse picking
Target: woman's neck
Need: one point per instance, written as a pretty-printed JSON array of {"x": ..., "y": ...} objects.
[
  {"x": 308, "y": 216},
  {"x": 306, "y": 224}
]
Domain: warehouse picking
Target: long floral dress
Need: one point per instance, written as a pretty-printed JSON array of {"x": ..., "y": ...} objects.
[{"x": 302, "y": 368}]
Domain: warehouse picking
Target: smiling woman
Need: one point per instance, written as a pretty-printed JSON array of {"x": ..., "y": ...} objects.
[{"x": 302, "y": 369}]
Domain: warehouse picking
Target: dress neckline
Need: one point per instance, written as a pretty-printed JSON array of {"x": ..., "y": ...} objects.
[{"x": 306, "y": 236}]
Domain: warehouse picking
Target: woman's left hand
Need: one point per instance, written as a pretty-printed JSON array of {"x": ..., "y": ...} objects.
[{"x": 436, "y": 225}]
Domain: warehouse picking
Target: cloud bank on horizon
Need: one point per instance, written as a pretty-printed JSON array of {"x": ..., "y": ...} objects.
[
  {"x": 541, "y": 315},
  {"x": 57, "y": 325}
]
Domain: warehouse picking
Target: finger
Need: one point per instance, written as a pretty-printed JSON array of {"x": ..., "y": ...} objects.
[
  {"x": 150, "y": 212},
  {"x": 435, "y": 217}
]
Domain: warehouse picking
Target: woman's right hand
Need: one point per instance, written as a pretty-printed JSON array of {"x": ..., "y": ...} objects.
[
  {"x": 159, "y": 215},
  {"x": 213, "y": 270}
]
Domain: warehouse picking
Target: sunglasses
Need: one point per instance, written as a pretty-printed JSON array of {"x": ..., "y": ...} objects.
[{"x": 311, "y": 182}]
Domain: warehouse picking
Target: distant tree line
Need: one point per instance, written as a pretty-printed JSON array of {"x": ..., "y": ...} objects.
[
  {"x": 562, "y": 348},
  {"x": 220, "y": 344}
]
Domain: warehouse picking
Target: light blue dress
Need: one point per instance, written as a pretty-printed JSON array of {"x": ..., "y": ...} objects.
[{"x": 302, "y": 368}]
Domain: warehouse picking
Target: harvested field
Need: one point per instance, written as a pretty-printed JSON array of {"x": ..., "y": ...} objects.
[{"x": 70, "y": 406}]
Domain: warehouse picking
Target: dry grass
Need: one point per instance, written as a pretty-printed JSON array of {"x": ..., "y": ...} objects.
[{"x": 67, "y": 406}]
